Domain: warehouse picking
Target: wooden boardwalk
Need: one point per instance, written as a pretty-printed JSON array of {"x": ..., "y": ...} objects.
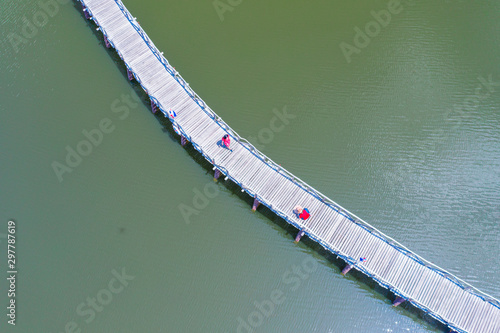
[{"x": 443, "y": 296}]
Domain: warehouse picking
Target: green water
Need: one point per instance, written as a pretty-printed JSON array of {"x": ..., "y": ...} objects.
[{"x": 395, "y": 136}]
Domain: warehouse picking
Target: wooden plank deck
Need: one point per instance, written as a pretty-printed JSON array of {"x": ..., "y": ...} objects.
[{"x": 428, "y": 287}]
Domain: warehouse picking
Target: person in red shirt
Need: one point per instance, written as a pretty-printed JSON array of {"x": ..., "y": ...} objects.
[
  {"x": 226, "y": 141},
  {"x": 305, "y": 214},
  {"x": 302, "y": 213}
]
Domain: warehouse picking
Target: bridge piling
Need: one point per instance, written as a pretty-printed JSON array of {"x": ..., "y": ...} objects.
[
  {"x": 85, "y": 12},
  {"x": 346, "y": 269},
  {"x": 256, "y": 203},
  {"x": 398, "y": 301},
  {"x": 299, "y": 236},
  {"x": 154, "y": 107},
  {"x": 216, "y": 175},
  {"x": 106, "y": 42}
]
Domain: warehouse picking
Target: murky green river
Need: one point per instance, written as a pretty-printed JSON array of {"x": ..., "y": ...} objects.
[{"x": 398, "y": 123}]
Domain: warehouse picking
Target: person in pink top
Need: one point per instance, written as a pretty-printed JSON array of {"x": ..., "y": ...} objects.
[
  {"x": 226, "y": 141},
  {"x": 302, "y": 213}
]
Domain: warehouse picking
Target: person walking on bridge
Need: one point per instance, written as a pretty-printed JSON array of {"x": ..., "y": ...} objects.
[
  {"x": 302, "y": 213},
  {"x": 226, "y": 141}
]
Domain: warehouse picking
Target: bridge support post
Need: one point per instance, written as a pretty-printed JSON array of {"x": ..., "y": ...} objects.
[
  {"x": 347, "y": 269},
  {"x": 183, "y": 140},
  {"x": 256, "y": 204},
  {"x": 154, "y": 108},
  {"x": 85, "y": 12},
  {"x": 106, "y": 42},
  {"x": 299, "y": 235},
  {"x": 398, "y": 301},
  {"x": 130, "y": 75},
  {"x": 216, "y": 175}
]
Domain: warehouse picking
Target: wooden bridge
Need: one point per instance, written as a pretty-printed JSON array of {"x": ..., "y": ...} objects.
[{"x": 411, "y": 278}]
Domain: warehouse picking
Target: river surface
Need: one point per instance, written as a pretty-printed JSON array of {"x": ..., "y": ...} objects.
[{"x": 402, "y": 128}]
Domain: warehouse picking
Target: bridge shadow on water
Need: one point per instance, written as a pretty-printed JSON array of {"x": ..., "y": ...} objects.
[{"x": 289, "y": 230}]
